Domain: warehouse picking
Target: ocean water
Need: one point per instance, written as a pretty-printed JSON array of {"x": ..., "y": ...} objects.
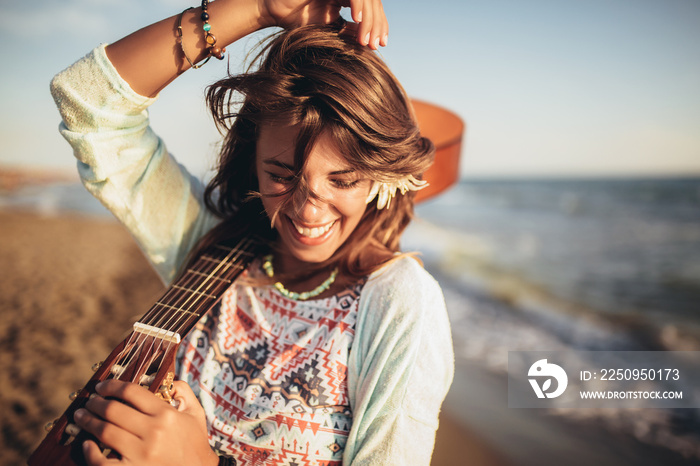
[{"x": 559, "y": 265}]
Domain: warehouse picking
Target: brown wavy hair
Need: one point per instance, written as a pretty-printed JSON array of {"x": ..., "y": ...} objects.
[{"x": 321, "y": 80}]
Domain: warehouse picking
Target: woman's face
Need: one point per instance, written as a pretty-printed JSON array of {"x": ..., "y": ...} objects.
[{"x": 314, "y": 229}]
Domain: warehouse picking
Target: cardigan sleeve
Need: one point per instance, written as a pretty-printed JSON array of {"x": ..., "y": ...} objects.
[
  {"x": 400, "y": 367},
  {"x": 125, "y": 165}
]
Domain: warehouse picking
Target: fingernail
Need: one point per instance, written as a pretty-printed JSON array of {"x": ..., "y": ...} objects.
[
  {"x": 376, "y": 43},
  {"x": 359, "y": 16},
  {"x": 385, "y": 40},
  {"x": 365, "y": 41},
  {"x": 79, "y": 414}
]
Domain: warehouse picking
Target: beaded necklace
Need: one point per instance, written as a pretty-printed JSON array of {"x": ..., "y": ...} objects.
[{"x": 267, "y": 265}]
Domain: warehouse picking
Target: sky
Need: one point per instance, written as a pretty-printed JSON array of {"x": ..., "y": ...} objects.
[{"x": 546, "y": 88}]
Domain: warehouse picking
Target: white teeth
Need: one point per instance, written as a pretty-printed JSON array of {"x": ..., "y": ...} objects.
[{"x": 313, "y": 232}]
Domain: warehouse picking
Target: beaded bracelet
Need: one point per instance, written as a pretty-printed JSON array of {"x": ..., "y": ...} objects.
[{"x": 209, "y": 38}]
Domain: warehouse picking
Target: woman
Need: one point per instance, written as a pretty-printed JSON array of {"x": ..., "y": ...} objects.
[{"x": 331, "y": 348}]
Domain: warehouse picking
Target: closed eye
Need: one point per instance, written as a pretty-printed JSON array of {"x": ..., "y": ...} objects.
[
  {"x": 280, "y": 179},
  {"x": 343, "y": 184}
]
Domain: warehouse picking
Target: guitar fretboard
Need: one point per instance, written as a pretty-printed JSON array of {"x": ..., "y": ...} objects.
[{"x": 200, "y": 286}]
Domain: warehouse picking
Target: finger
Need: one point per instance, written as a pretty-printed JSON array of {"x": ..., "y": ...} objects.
[
  {"x": 365, "y": 29},
  {"x": 384, "y": 36},
  {"x": 94, "y": 456},
  {"x": 184, "y": 395},
  {"x": 356, "y": 10},
  {"x": 379, "y": 26},
  {"x": 109, "y": 434},
  {"x": 189, "y": 404},
  {"x": 330, "y": 13},
  {"x": 118, "y": 413},
  {"x": 137, "y": 396}
]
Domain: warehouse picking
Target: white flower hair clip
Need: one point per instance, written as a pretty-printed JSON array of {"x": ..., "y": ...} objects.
[{"x": 385, "y": 191}]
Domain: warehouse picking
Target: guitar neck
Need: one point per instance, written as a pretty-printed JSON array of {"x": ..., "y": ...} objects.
[
  {"x": 198, "y": 288},
  {"x": 147, "y": 355}
]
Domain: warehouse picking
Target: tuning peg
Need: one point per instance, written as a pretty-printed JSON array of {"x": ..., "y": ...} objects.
[
  {"x": 49, "y": 425},
  {"x": 96, "y": 366},
  {"x": 147, "y": 380},
  {"x": 74, "y": 395},
  {"x": 72, "y": 429}
]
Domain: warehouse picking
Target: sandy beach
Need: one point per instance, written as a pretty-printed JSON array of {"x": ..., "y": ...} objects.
[{"x": 71, "y": 287}]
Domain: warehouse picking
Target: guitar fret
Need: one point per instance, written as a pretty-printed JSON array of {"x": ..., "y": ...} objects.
[
  {"x": 178, "y": 309},
  {"x": 194, "y": 291},
  {"x": 208, "y": 276},
  {"x": 218, "y": 261},
  {"x": 239, "y": 252}
]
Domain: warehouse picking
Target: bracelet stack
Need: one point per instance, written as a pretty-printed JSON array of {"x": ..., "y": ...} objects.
[{"x": 212, "y": 49}]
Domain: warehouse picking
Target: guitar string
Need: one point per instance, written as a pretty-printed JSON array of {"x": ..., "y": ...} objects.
[
  {"x": 231, "y": 259},
  {"x": 242, "y": 248},
  {"x": 132, "y": 347},
  {"x": 148, "y": 318},
  {"x": 191, "y": 293},
  {"x": 185, "y": 315},
  {"x": 194, "y": 294}
]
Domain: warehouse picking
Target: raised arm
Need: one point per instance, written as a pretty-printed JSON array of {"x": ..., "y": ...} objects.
[{"x": 150, "y": 58}]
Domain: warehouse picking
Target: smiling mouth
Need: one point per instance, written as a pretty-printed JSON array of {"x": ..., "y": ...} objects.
[{"x": 314, "y": 232}]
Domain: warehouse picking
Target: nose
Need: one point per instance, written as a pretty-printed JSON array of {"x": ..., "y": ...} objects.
[{"x": 309, "y": 204}]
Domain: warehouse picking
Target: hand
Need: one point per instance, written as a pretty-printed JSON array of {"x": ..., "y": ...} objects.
[
  {"x": 145, "y": 429},
  {"x": 372, "y": 28}
]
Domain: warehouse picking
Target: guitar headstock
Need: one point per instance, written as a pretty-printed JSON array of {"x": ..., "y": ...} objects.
[{"x": 143, "y": 358}]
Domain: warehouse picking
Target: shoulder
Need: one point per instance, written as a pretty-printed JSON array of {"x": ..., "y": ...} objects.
[
  {"x": 401, "y": 296},
  {"x": 401, "y": 276},
  {"x": 403, "y": 281}
]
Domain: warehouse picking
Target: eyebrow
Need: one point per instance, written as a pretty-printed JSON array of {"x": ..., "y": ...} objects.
[{"x": 277, "y": 163}]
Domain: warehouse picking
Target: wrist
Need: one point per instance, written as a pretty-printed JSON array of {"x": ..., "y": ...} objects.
[
  {"x": 235, "y": 19},
  {"x": 264, "y": 18},
  {"x": 252, "y": 15}
]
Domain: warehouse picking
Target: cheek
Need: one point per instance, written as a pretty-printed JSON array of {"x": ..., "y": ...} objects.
[
  {"x": 353, "y": 209},
  {"x": 270, "y": 199},
  {"x": 271, "y": 204}
]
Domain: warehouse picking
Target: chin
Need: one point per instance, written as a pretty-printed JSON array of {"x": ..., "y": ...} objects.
[{"x": 312, "y": 257}]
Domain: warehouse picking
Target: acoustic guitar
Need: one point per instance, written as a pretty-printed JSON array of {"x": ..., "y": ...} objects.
[{"x": 147, "y": 355}]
